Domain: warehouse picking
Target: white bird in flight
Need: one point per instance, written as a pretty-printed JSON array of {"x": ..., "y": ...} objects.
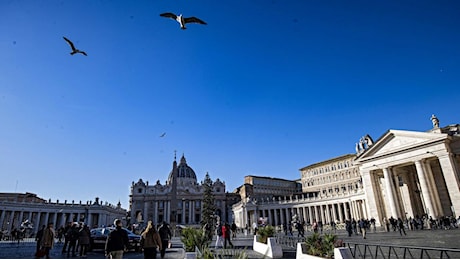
[
  {"x": 74, "y": 50},
  {"x": 181, "y": 20}
]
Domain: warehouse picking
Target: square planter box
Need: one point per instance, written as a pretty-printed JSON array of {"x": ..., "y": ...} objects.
[
  {"x": 271, "y": 249},
  {"x": 339, "y": 253}
]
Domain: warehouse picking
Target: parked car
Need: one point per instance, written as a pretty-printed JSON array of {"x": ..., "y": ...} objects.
[{"x": 99, "y": 237}]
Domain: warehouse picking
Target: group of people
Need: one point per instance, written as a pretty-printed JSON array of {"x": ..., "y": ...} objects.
[
  {"x": 77, "y": 238},
  {"x": 223, "y": 233},
  {"x": 152, "y": 240}
]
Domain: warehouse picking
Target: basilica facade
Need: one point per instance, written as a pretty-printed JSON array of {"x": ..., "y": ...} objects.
[{"x": 179, "y": 201}]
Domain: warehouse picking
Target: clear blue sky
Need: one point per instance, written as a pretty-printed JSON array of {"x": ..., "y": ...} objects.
[{"x": 266, "y": 88}]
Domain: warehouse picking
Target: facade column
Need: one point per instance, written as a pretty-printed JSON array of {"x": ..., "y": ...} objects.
[
  {"x": 328, "y": 214},
  {"x": 451, "y": 176},
  {"x": 426, "y": 196},
  {"x": 11, "y": 220},
  {"x": 339, "y": 207},
  {"x": 434, "y": 190},
  {"x": 145, "y": 216},
  {"x": 334, "y": 213},
  {"x": 167, "y": 208},
  {"x": 155, "y": 212},
  {"x": 38, "y": 224},
  {"x": 2, "y": 218},
  {"x": 389, "y": 190},
  {"x": 316, "y": 214},
  {"x": 21, "y": 216}
]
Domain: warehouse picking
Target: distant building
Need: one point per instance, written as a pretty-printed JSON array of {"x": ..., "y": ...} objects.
[
  {"x": 179, "y": 201},
  {"x": 31, "y": 211},
  {"x": 260, "y": 190}
]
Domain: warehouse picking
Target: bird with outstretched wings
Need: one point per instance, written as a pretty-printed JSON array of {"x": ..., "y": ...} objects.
[
  {"x": 74, "y": 50},
  {"x": 183, "y": 20}
]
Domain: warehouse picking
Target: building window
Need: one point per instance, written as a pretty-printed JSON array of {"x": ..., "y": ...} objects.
[
  {"x": 197, "y": 204},
  {"x": 161, "y": 204},
  {"x": 139, "y": 190}
]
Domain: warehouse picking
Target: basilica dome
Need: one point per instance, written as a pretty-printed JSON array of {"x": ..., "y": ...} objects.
[{"x": 183, "y": 171}]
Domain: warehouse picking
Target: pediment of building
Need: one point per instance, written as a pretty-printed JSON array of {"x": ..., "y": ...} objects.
[{"x": 394, "y": 141}]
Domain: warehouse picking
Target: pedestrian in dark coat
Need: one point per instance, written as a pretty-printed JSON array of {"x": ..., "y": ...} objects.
[
  {"x": 165, "y": 235},
  {"x": 117, "y": 241},
  {"x": 83, "y": 240},
  {"x": 38, "y": 238}
]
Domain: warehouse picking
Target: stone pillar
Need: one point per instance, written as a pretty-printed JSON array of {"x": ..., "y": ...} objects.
[
  {"x": 389, "y": 190},
  {"x": 38, "y": 224},
  {"x": 334, "y": 213},
  {"x": 328, "y": 214},
  {"x": 316, "y": 214},
  {"x": 434, "y": 190},
  {"x": 2, "y": 218},
  {"x": 339, "y": 207},
  {"x": 10, "y": 225},
  {"x": 155, "y": 212},
  {"x": 451, "y": 176},
  {"x": 145, "y": 212},
  {"x": 426, "y": 193}
]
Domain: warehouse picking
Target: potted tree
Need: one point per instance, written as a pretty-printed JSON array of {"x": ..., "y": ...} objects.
[
  {"x": 317, "y": 246},
  {"x": 265, "y": 243},
  {"x": 194, "y": 239}
]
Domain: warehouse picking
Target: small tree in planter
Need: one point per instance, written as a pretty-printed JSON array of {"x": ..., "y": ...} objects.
[
  {"x": 322, "y": 246},
  {"x": 194, "y": 238},
  {"x": 265, "y": 232}
]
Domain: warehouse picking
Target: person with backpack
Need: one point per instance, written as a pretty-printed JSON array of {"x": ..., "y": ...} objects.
[{"x": 84, "y": 235}]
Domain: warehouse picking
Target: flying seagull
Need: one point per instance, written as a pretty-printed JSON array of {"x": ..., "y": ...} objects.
[
  {"x": 74, "y": 50},
  {"x": 163, "y": 135},
  {"x": 181, "y": 20}
]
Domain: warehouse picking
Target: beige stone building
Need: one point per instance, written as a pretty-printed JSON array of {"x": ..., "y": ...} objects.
[
  {"x": 403, "y": 174},
  {"x": 409, "y": 173}
]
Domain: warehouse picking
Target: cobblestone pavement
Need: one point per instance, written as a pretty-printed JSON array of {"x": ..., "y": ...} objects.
[
  {"x": 418, "y": 238},
  {"x": 26, "y": 250}
]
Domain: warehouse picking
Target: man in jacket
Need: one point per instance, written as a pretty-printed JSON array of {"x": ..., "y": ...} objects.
[
  {"x": 117, "y": 241},
  {"x": 48, "y": 239}
]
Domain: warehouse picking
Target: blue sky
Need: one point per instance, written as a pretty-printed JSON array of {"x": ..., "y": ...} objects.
[{"x": 265, "y": 88}]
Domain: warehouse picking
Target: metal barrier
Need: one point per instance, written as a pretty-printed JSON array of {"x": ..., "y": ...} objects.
[
  {"x": 375, "y": 251},
  {"x": 288, "y": 241}
]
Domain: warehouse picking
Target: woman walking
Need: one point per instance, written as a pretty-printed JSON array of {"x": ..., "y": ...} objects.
[{"x": 150, "y": 241}]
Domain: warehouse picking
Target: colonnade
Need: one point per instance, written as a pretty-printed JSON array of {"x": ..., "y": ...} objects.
[{"x": 13, "y": 214}]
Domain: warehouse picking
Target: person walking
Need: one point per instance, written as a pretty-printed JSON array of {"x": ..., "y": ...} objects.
[
  {"x": 401, "y": 227},
  {"x": 84, "y": 235},
  {"x": 226, "y": 234},
  {"x": 72, "y": 235},
  {"x": 234, "y": 229},
  {"x": 38, "y": 238},
  {"x": 66, "y": 237},
  {"x": 117, "y": 241},
  {"x": 150, "y": 241},
  {"x": 363, "y": 226},
  {"x": 47, "y": 242},
  {"x": 219, "y": 235},
  {"x": 165, "y": 235}
]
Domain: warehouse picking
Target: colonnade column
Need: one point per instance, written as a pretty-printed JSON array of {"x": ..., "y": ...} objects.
[
  {"x": 334, "y": 213},
  {"x": 339, "y": 207},
  {"x": 451, "y": 176},
  {"x": 425, "y": 190},
  {"x": 389, "y": 188},
  {"x": 434, "y": 189}
]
